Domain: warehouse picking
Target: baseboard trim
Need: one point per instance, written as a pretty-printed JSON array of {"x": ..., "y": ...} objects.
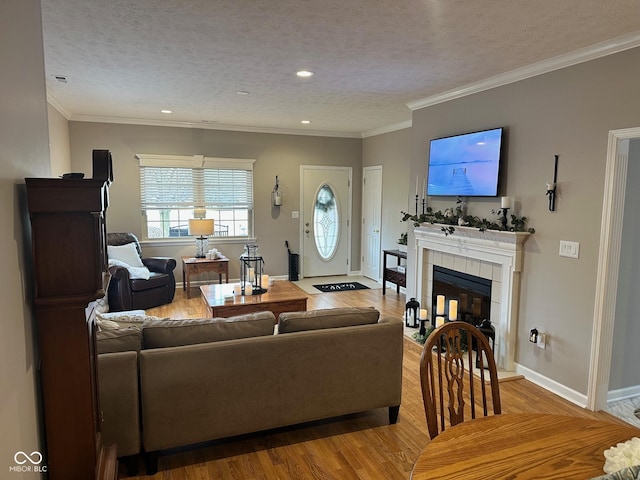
[
  {"x": 559, "y": 389},
  {"x": 623, "y": 393}
]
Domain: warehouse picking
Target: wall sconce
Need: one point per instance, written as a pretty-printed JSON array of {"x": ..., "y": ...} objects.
[
  {"x": 551, "y": 187},
  {"x": 276, "y": 195},
  {"x": 202, "y": 227}
]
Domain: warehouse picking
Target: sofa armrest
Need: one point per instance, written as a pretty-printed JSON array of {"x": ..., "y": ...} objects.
[
  {"x": 160, "y": 264},
  {"x": 119, "y": 401},
  {"x": 119, "y": 289}
]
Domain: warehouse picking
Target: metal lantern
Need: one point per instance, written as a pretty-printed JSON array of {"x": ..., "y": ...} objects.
[
  {"x": 251, "y": 268},
  {"x": 411, "y": 313}
]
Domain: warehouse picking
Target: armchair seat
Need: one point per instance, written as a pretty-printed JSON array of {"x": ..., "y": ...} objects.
[
  {"x": 126, "y": 293},
  {"x": 156, "y": 280}
]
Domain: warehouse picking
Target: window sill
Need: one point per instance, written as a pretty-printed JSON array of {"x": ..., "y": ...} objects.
[{"x": 180, "y": 242}]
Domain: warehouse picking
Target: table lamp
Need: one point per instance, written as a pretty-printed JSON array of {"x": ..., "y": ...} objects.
[{"x": 201, "y": 228}]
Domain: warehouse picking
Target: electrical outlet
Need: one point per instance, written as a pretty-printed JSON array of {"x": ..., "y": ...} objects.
[
  {"x": 569, "y": 249},
  {"x": 542, "y": 341}
]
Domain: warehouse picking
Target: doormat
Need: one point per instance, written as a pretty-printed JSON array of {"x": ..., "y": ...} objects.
[{"x": 340, "y": 287}]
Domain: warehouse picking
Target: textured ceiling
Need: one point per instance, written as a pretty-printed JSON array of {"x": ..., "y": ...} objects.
[{"x": 128, "y": 59}]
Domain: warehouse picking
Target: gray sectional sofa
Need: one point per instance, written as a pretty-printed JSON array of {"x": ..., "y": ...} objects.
[{"x": 198, "y": 380}]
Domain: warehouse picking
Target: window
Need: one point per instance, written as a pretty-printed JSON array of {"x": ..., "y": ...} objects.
[{"x": 174, "y": 189}]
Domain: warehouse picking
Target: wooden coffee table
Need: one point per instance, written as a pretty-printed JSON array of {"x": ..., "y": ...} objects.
[{"x": 282, "y": 296}]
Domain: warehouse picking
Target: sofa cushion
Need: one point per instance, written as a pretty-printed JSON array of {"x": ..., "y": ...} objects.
[
  {"x": 328, "y": 318},
  {"x": 174, "y": 333},
  {"x": 119, "y": 340}
]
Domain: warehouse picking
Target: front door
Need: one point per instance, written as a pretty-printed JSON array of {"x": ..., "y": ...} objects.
[{"x": 326, "y": 212}]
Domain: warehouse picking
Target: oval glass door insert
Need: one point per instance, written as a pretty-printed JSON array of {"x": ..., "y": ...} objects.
[{"x": 326, "y": 223}]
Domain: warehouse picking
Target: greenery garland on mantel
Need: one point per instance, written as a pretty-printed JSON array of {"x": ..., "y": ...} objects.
[{"x": 457, "y": 216}]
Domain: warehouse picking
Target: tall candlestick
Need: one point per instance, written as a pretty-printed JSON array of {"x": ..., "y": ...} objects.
[
  {"x": 453, "y": 310},
  {"x": 440, "y": 305},
  {"x": 424, "y": 187},
  {"x": 416, "y": 186},
  {"x": 423, "y": 314},
  {"x": 505, "y": 202}
]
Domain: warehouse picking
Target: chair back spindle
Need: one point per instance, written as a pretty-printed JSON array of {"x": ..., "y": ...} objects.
[{"x": 447, "y": 376}]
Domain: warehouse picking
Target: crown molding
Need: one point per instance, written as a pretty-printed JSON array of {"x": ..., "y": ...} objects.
[
  {"x": 210, "y": 126},
  {"x": 598, "y": 50},
  {"x": 387, "y": 129},
  {"x": 55, "y": 103}
]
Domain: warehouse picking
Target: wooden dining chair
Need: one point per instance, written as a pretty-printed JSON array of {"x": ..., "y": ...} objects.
[{"x": 447, "y": 376}]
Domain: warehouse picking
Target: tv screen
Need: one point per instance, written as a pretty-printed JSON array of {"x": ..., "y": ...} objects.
[{"x": 465, "y": 165}]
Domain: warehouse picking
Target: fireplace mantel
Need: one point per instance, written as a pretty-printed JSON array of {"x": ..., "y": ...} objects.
[{"x": 490, "y": 247}]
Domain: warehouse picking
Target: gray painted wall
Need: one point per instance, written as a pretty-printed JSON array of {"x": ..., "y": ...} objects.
[
  {"x": 24, "y": 152},
  {"x": 275, "y": 154},
  {"x": 568, "y": 112},
  {"x": 625, "y": 357},
  {"x": 393, "y": 152}
]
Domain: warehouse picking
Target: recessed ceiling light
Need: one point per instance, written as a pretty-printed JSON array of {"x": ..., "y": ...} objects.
[
  {"x": 166, "y": 111},
  {"x": 242, "y": 92},
  {"x": 306, "y": 121},
  {"x": 304, "y": 73}
]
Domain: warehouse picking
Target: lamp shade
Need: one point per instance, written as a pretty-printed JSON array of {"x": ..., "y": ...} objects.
[{"x": 201, "y": 227}]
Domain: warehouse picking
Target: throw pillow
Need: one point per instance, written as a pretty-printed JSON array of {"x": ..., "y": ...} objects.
[
  {"x": 127, "y": 318},
  {"x": 134, "y": 272},
  {"x": 127, "y": 253},
  {"x": 328, "y": 318},
  {"x": 106, "y": 325}
]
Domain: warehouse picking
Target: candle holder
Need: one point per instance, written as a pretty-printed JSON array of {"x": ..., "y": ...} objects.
[
  {"x": 411, "y": 313},
  {"x": 503, "y": 219},
  {"x": 251, "y": 268}
]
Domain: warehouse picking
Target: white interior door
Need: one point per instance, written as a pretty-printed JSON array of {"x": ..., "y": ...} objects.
[
  {"x": 326, "y": 212},
  {"x": 371, "y": 221}
]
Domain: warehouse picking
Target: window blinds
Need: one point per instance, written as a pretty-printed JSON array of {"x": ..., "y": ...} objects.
[{"x": 213, "y": 183}]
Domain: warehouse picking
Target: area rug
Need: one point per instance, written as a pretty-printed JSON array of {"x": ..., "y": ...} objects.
[{"x": 340, "y": 287}]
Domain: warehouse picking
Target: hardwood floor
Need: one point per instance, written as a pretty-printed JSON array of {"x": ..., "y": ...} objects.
[{"x": 359, "y": 446}]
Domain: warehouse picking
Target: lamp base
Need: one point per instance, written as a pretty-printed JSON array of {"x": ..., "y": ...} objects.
[{"x": 202, "y": 245}]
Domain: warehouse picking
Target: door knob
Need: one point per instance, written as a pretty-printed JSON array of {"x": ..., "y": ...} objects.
[{"x": 306, "y": 231}]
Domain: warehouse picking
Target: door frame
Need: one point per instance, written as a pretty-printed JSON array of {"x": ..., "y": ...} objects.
[
  {"x": 608, "y": 267},
  {"x": 362, "y": 232},
  {"x": 349, "y": 170}
]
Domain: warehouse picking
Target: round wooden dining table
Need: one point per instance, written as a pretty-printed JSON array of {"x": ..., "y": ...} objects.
[{"x": 521, "y": 446}]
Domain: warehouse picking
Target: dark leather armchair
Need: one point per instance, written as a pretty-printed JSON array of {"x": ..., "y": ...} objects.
[{"x": 126, "y": 293}]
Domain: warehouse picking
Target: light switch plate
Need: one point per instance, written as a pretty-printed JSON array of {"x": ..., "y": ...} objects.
[
  {"x": 569, "y": 249},
  {"x": 295, "y": 214}
]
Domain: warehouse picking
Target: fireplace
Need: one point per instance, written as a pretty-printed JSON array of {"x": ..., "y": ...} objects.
[
  {"x": 493, "y": 256},
  {"x": 472, "y": 292}
]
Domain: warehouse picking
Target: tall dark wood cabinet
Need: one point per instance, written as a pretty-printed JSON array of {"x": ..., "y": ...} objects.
[{"x": 69, "y": 264}]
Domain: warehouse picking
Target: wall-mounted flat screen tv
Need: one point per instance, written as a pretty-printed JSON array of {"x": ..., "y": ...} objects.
[{"x": 466, "y": 165}]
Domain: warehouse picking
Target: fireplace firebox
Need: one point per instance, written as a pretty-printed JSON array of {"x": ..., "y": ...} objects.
[{"x": 472, "y": 293}]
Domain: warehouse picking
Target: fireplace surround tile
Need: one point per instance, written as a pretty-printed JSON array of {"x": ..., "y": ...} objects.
[
  {"x": 486, "y": 270},
  {"x": 473, "y": 267}
]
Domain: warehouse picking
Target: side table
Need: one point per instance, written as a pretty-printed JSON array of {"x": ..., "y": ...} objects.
[
  {"x": 394, "y": 274},
  {"x": 194, "y": 266}
]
